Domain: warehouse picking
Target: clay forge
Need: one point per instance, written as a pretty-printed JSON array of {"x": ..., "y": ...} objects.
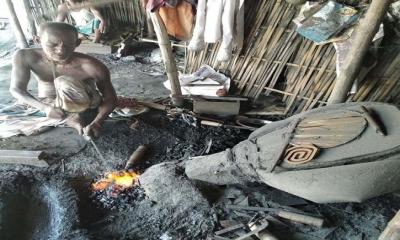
[{"x": 340, "y": 153}]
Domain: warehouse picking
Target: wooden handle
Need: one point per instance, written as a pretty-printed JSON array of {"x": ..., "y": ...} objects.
[
  {"x": 154, "y": 105},
  {"x": 136, "y": 157},
  {"x": 211, "y": 123},
  {"x": 301, "y": 218}
]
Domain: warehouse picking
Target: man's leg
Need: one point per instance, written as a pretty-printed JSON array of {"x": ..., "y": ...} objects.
[
  {"x": 97, "y": 36},
  {"x": 97, "y": 32}
]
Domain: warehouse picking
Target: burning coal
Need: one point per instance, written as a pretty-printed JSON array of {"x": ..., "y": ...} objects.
[
  {"x": 117, "y": 181},
  {"x": 118, "y": 190}
]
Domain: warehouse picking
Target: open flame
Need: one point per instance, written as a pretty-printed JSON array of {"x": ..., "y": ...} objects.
[{"x": 120, "y": 180}]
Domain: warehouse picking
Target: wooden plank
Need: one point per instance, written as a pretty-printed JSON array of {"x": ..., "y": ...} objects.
[{"x": 31, "y": 158}]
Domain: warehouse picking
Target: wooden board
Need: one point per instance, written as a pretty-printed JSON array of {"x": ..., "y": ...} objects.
[
  {"x": 326, "y": 131},
  {"x": 58, "y": 143},
  {"x": 31, "y": 158}
]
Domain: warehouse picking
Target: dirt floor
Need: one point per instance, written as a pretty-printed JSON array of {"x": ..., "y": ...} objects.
[{"x": 58, "y": 203}]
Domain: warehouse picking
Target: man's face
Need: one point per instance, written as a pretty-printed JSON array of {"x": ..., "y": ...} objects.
[{"x": 58, "y": 46}]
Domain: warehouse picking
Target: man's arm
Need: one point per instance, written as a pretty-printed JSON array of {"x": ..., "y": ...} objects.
[
  {"x": 103, "y": 24},
  {"x": 62, "y": 12},
  {"x": 20, "y": 76},
  {"x": 103, "y": 82}
]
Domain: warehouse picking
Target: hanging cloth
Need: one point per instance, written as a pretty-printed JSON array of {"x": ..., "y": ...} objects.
[{"x": 219, "y": 20}]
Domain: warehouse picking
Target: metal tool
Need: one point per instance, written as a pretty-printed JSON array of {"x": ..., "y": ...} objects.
[
  {"x": 373, "y": 121},
  {"x": 90, "y": 139}
]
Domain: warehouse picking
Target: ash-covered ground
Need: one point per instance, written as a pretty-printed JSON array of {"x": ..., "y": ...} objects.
[{"x": 174, "y": 208}]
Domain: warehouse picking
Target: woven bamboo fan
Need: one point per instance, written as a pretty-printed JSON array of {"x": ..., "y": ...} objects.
[{"x": 327, "y": 131}]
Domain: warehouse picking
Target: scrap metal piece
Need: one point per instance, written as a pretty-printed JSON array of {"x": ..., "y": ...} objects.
[
  {"x": 295, "y": 217},
  {"x": 258, "y": 229},
  {"x": 230, "y": 229},
  {"x": 263, "y": 234}
]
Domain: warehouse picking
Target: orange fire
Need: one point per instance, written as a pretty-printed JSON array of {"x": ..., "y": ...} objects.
[{"x": 119, "y": 179}]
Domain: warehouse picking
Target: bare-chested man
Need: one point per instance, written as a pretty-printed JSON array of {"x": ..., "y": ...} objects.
[{"x": 70, "y": 85}]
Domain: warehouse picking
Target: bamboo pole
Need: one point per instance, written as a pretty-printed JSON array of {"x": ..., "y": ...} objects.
[
  {"x": 363, "y": 38},
  {"x": 31, "y": 21},
  {"x": 17, "y": 26},
  {"x": 169, "y": 61}
]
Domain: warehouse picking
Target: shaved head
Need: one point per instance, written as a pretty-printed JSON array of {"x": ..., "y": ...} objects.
[
  {"x": 58, "y": 40},
  {"x": 52, "y": 27}
]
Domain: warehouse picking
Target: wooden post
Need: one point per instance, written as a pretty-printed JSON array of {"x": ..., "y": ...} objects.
[
  {"x": 31, "y": 21},
  {"x": 169, "y": 62},
  {"x": 17, "y": 26},
  {"x": 364, "y": 34}
]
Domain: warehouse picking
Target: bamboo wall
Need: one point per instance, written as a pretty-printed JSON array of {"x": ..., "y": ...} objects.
[
  {"x": 122, "y": 14},
  {"x": 276, "y": 59}
]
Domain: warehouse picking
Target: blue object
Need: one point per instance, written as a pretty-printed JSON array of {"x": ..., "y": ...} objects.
[{"x": 331, "y": 19}]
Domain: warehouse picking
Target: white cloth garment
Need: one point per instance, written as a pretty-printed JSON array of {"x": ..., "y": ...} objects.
[
  {"x": 219, "y": 20},
  {"x": 213, "y": 28},
  {"x": 197, "y": 42},
  {"x": 82, "y": 17}
]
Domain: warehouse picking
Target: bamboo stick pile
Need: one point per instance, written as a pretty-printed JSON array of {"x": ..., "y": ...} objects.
[
  {"x": 44, "y": 10},
  {"x": 383, "y": 83},
  {"x": 312, "y": 81},
  {"x": 129, "y": 14}
]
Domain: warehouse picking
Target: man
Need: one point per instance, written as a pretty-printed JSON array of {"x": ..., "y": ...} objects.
[
  {"x": 71, "y": 85},
  {"x": 88, "y": 20}
]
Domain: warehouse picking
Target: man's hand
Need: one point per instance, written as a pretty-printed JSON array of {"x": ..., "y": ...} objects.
[
  {"x": 92, "y": 130},
  {"x": 55, "y": 113}
]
